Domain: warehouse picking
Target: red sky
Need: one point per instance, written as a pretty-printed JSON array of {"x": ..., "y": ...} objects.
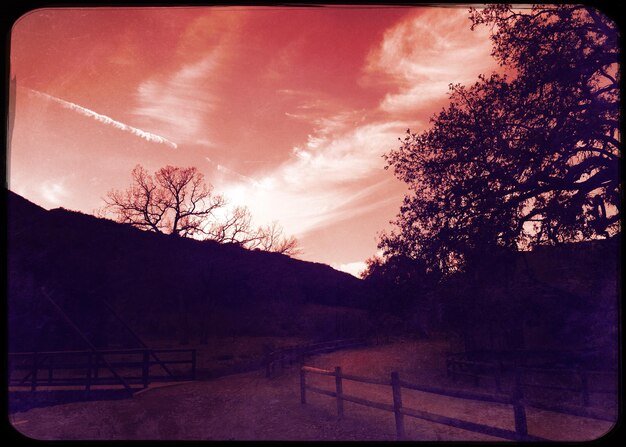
[{"x": 285, "y": 110}]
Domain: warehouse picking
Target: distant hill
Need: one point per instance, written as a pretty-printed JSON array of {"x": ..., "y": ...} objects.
[{"x": 159, "y": 284}]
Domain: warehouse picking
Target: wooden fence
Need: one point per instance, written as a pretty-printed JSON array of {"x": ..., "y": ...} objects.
[
  {"x": 581, "y": 383},
  {"x": 555, "y": 379},
  {"x": 125, "y": 367},
  {"x": 515, "y": 399},
  {"x": 295, "y": 354},
  {"x": 476, "y": 369}
]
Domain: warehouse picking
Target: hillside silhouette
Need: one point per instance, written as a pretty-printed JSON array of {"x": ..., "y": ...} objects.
[{"x": 161, "y": 286}]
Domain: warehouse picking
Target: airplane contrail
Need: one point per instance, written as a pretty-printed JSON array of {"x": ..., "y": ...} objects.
[{"x": 107, "y": 120}]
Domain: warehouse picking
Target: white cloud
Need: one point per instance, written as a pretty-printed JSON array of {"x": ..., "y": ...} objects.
[
  {"x": 414, "y": 97},
  {"x": 426, "y": 53},
  {"x": 327, "y": 179},
  {"x": 205, "y": 142},
  {"x": 354, "y": 268},
  {"x": 53, "y": 192},
  {"x": 179, "y": 103},
  {"x": 338, "y": 158}
]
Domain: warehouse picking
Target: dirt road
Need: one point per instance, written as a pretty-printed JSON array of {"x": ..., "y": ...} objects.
[{"x": 251, "y": 407}]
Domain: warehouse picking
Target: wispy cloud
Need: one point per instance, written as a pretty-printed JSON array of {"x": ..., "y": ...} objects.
[
  {"x": 281, "y": 62},
  {"x": 179, "y": 103},
  {"x": 54, "y": 192},
  {"x": 106, "y": 120},
  {"x": 339, "y": 158},
  {"x": 354, "y": 268},
  {"x": 230, "y": 172},
  {"x": 422, "y": 55},
  {"x": 181, "y": 100},
  {"x": 332, "y": 175},
  {"x": 329, "y": 178}
]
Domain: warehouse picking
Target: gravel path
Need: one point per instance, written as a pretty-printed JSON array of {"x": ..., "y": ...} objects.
[{"x": 250, "y": 407}]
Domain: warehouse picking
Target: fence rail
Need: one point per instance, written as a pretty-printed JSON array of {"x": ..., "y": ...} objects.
[
  {"x": 295, "y": 354},
  {"x": 126, "y": 367},
  {"x": 457, "y": 365},
  {"x": 461, "y": 394},
  {"x": 515, "y": 400}
]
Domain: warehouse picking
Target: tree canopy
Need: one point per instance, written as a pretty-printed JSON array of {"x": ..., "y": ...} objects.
[
  {"x": 177, "y": 201},
  {"x": 398, "y": 282},
  {"x": 523, "y": 158}
]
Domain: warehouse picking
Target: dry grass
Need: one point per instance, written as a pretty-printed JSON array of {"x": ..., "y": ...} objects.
[{"x": 250, "y": 407}]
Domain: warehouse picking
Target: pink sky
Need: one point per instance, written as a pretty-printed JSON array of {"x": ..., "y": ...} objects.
[{"x": 285, "y": 110}]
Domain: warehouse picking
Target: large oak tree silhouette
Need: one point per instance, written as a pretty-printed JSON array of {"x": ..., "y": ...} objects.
[{"x": 525, "y": 158}]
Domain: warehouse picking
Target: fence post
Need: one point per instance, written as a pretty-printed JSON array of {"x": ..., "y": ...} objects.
[
  {"x": 268, "y": 363},
  {"x": 89, "y": 367},
  {"x": 452, "y": 371},
  {"x": 145, "y": 373},
  {"x": 33, "y": 383},
  {"x": 584, "y": 385},
  {"x": 302, "y": 385},
  {"x": 299, "y": 356},
  {"x": 498, "y": 376},
  {"x": 397, "y": 405},
  {"x": 96, "y": 367},
  {"x": 521, "y": 427},
  {"x": 50, "y": 368},
  {"x": 194, "y": 360},
  {"x": 339, "y": 391}
]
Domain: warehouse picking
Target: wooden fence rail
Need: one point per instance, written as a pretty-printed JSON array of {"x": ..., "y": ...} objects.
[
  {"x": 295, "y": 354},
  {"x": 456, "y": 365},
  {"x": 581, "y": 377},
  {"x": 476, "y": 369},
  {"x": 515, "y": 400},
  {"x": 89, "y": 368}
]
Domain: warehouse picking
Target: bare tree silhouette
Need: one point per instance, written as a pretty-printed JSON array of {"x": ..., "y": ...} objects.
[
  {"x": 174, "y": 201},
  {"x": 237, "y": 228},
  {"x": 179, "y": 202},
  {"x": 272, "y": 238}
]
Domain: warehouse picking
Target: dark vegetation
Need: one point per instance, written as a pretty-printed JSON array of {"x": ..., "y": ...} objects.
[
  {"x": 521, "y": 159},
  {"x": 553, "y": 301},
  {"x": 559, "y": 299},
  {"x": 508, "y": 239},
  {"x": 164, "y": 287},
  {"x": 509, "y": 235}
]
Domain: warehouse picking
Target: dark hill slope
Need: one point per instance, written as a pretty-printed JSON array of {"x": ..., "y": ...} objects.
[{"x": 159, "y": 284}]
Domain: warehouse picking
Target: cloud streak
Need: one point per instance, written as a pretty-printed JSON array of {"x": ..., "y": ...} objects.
[
  {"x": 422, "y": 55},
  {"x": 336, "y": 172},
  {"x": 330, "y": 178},
  {"x": 182, "y": 100},
  {"x": 179, "y": 104},
  {"x": 148, "y": 136}
]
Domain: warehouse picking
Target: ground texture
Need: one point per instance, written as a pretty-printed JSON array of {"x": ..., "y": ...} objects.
[{"x": 249, "y": 406}]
